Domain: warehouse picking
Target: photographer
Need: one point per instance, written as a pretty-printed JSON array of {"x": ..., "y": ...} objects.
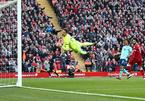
[{"x": 71, "y": 71}]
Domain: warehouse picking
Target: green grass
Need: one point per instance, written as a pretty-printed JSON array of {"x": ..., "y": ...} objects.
[{"x": 134, "y": 87}]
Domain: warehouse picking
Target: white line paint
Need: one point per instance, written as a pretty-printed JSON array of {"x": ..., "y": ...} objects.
[
  {"x": 5, "y": 86},
  {"x": 84, "y": 93},
  {"x": 126, "y": 89}
]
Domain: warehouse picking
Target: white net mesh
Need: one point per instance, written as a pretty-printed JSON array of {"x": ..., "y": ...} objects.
[{"x": 8, "y": 43}]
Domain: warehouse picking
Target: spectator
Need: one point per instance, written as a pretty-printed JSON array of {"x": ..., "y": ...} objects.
[
  {"x": 88, "y": 64},
  {"x": 8, "y": 39},
  {"x": 106, "y": 22},
  {"x": 38, "y": 37}
]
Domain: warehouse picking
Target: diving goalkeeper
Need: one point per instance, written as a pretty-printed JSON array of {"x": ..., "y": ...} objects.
[{"x": 71, "y": 44}]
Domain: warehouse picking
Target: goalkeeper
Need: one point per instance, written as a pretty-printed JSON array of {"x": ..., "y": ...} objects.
[{"x": 69, "y": 43}]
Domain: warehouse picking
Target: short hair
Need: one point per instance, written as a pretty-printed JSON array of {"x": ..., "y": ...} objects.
[
  {"x": 136, "y": 40},
  {"x": 126, "y": 41}
]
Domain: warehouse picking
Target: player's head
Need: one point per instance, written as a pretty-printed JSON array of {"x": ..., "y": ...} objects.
[
  {"x": 63, "y": 33},
  {"x": 56, "y": 31},
  {"x": 125, "y": 42},
  {"x": 135, "y": 41}
]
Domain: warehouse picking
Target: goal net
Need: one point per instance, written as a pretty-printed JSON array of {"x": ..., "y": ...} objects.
[{"x": 10, "y": 43}]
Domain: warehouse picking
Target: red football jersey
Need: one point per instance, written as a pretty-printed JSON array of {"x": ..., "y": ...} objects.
[
  {"x": 136, "y": 56},
  {"x": 137, "y": 51}
]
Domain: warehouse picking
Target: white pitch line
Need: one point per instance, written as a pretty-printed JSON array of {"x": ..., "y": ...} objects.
[
  {"x": 126, "y": 89},
  {"x": 84, "y": 93}
]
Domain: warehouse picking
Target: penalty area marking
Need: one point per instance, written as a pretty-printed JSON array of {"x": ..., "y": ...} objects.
[{"x": 84, "y": 93}]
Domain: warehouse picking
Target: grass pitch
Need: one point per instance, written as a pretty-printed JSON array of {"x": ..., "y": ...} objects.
[{"x": 77, "y": 89}]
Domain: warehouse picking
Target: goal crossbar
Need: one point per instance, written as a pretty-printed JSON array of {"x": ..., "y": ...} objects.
[{"x": 8, "y": 3}]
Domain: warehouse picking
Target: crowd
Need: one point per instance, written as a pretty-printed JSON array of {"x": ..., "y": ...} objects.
[
  {"x": 39, "y": 50},
  {"x": 39, "y": 39},
  {"x": 8, "y": 39},
  {"x": 3, "y": 1},
  {"x": 107, "y": 22}
]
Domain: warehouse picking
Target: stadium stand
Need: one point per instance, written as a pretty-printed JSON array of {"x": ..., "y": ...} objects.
[
  {"x": 106, "y": 22},
  {"x": 38, "y": 37},
  {"x": 8, "y": 42}
]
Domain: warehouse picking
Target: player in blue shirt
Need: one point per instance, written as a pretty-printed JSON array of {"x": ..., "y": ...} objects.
[{"x": 125, "y": 53}]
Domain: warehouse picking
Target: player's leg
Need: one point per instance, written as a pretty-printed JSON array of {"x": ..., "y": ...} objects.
[
  {"x": 84, "y": 44},
  {"x": 141, "y": 68},
  {"x": 121, "y": 69},
  {"x": 131, "y": 63},
  {"x": 79, "y": 49},
  {"x": 82, "y": 52},
  {"x": 127, "y": 73},
  {"x": 121, "y": 72},
  {"x": 129, "y": 68},
  {"x": 76, "y": 47},
  {"x": 144, "y": 72},
  {"x": 123, "y": 63}
]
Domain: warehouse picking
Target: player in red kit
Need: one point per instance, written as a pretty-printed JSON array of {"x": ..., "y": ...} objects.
[{"x": 136, "y": 56}]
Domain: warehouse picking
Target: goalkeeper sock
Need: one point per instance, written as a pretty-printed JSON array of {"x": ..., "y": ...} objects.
[{"x": 86, "y": 44}]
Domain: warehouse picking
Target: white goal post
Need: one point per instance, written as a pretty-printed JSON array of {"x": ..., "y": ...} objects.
[
  {"x": 18, "y": 78},
  {"x": 19, "y": 33}
]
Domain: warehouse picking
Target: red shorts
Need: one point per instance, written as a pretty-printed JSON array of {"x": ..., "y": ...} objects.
[{"x": 132, "y": 61}]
